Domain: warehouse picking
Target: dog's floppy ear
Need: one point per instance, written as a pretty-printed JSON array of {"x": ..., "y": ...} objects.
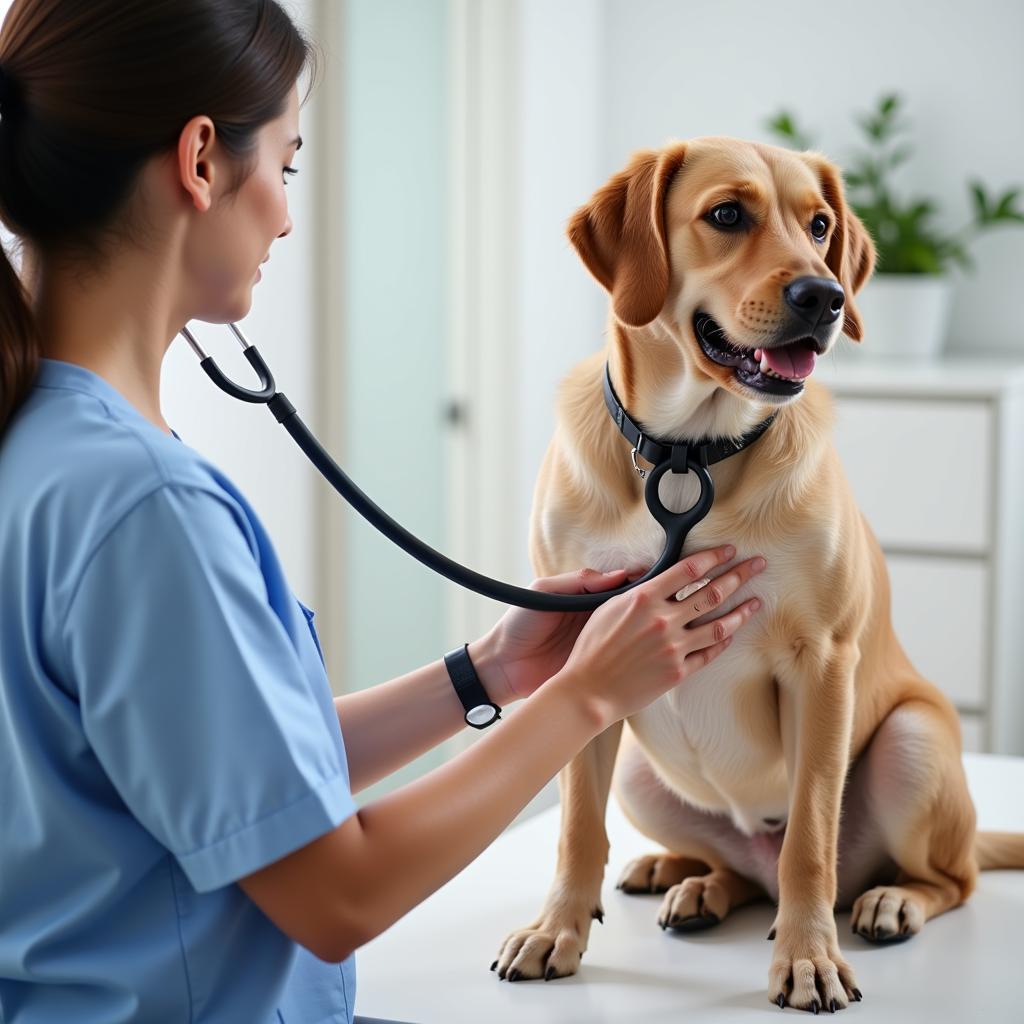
[
  {"x": 851, "y": 251},
  {"x": 622, "y": 238}
]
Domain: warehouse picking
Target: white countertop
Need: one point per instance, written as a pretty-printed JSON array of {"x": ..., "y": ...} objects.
[
  {"x": 432, "y": 967},
  {"x": 850, "y": 371}
]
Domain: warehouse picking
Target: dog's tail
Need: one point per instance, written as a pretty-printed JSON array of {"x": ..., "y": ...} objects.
[{"x": 999, "y": 850}]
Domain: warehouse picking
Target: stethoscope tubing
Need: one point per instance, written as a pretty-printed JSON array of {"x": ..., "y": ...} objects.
[{"x": 676, "y": 525}]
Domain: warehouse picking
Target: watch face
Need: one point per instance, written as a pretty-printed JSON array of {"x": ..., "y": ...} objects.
[{"x": 481, "y": 714}]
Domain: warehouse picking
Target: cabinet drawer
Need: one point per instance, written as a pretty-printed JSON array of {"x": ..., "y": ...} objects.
[
  {"x": 940, "y": 614},
  {"x": 920, "y": 470}
]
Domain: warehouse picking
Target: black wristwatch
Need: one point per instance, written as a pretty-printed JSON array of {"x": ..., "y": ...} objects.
[{"x": 481, "y": 711}]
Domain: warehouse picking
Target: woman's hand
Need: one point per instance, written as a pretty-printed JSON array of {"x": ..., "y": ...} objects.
[{"x": 527, "y": 647}]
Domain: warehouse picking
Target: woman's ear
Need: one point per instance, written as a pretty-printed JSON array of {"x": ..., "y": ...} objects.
[
  {"x": 622, "y": 238},
  {"x": 851, "y": 251}
]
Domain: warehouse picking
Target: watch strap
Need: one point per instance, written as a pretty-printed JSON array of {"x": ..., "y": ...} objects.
[{"x": 480, "y": 710}]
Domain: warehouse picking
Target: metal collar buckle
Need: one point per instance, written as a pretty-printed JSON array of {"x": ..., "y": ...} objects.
[{"x": 632, "y": 455}]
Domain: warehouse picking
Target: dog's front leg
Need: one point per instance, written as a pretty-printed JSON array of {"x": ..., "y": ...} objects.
[
  {"x": 553, "y": 945},
  {"x": 816, "y": 701}
]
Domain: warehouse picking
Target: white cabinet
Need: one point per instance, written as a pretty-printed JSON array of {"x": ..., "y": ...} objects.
[{"x": 934, "y": 451}]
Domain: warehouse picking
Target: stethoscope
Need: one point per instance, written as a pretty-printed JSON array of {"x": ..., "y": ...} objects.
[{"x": 676, "y": 525}]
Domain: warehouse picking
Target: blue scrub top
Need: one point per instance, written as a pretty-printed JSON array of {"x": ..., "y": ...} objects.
[{"x": 166, "y": 728}]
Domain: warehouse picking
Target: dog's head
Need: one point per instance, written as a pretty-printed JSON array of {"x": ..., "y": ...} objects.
[{"x": 746, "y": 253}]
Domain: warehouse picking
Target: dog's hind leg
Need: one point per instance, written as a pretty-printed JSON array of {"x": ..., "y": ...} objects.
[
  {"x": 918, "y": 800},
  {"x": 701, "y": 870}
]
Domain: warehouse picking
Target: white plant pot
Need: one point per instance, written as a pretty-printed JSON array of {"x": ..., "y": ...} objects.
[{"x": 904, "y": 315}]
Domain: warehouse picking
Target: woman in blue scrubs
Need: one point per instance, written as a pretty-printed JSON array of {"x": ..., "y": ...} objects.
[{"x": 179, "y": 837}]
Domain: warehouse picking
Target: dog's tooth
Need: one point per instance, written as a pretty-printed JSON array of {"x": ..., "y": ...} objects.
[{"x": 764, "y": 362}]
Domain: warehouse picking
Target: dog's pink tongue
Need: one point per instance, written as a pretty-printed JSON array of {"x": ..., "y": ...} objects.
[{"x": 793, "y": 361}]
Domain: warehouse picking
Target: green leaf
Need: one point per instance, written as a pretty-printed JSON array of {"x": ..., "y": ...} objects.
[
  {"x": 899, "y": 155},
  {"x": 980, "y": 201},
  {"x": 784, "y": 125},
  {"x": 1005, "y": 205}
]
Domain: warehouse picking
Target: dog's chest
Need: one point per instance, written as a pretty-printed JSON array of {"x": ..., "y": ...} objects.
[{"x": 715, "y": 739}]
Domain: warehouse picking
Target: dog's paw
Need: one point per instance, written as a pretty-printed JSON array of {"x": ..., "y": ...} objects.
[
  {"x": 808, "y": 972},
  {"x": 887, "y": 914},
  {"x": 653, "y": 872},
  {"x": 694, "y": 904},
  {"x": 551, "y": 947}
]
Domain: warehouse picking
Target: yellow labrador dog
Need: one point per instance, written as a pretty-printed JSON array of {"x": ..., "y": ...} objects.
[{"x": 809, "y": 763}]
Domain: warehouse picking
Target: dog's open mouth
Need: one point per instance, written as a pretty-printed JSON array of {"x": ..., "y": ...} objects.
[{"x": 779, "y": 370}]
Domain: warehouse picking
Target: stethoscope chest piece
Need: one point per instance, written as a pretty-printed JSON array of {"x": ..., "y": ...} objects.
[{"x": 677, "y": 525}]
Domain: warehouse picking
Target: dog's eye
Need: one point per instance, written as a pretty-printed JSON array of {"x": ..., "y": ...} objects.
[
  {"x": 726, "y": 215},
  {"x": 819, "y": 227}
]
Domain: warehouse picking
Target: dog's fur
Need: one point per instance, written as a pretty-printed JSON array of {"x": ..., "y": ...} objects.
[{"x": 810, "y": 762}]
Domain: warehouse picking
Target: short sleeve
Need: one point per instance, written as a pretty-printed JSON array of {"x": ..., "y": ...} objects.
[{"x": 193, "y": 695}]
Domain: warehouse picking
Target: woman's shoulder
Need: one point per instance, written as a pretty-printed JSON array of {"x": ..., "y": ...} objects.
[{"x": 72, "y": 465}]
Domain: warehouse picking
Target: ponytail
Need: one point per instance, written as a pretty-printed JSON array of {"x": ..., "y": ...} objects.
[{"x": 19, "y": 342}]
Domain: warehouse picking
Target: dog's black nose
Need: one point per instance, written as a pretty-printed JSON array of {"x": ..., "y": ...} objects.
[{"x": 816, "y": 300}]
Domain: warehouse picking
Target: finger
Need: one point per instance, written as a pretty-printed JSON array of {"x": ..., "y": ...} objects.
[
  {"x": 634, "y": 572},
  {"x": 692, "y": 588},
  {"x": 724, "y": 626},
  {"x": 581, "y": 581},
  {"x": 715, "y": 592},
  {"x": 691, "y": 569},
  {"x": 698, "y": 659}
]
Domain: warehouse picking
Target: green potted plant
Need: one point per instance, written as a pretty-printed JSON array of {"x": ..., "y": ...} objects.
[{"x": 905, "y": 305}]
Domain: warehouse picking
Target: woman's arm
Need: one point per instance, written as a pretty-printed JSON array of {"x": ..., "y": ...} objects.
[
  {"x": 346, "y": 887},
  {"x": 391, "y": 724},
  {"x": 349, "y": 885}
]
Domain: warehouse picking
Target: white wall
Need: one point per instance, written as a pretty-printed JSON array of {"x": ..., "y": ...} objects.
[
  {"x": 723, "y": 67},
  {"x": 561, "y": 142}
]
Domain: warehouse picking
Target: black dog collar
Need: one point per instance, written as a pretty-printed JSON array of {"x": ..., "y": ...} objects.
[{"x": 680, "y": 453}]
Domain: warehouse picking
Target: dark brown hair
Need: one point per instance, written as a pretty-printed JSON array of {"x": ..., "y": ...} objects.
[{"x": 91, "y": 89}]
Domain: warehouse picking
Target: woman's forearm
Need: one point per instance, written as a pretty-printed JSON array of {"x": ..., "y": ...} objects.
[
  {"x": 418, "y": 837},
  {"x": 388, "y": 725}
]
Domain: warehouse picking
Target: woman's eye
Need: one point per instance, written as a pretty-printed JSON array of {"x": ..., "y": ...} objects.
[
  {"x": 819, "y": 227},
  {"x": 290, "y": 170},
  {"x": 727, "y": 215}
]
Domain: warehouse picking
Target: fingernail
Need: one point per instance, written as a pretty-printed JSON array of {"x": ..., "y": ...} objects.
[
  {"x": 758, "y": 564},
  {"x": 729, "y": 550},
  {"x": 755, "y": 604},
  {"x": 612, "y": 572}
]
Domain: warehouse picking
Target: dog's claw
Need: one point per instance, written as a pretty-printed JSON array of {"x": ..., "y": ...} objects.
[
  {"x": 494, "y": 965},
  {"x": 514, "y": 974},
  {"x": 816, "y": 1007},
  {"x": 781, "y": 1001},
  {"x": 771, "y": 935},
  {"x": 858, "y": 995},
  {"x": 598, "y": 915},
  {"x": 833, "y": 1006},
  {"x": 550, "y": 973},
  {"x": 694, "y": 923}
]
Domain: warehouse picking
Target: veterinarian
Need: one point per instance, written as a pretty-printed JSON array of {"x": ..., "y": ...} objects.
[{"x": 179, "y": 840}]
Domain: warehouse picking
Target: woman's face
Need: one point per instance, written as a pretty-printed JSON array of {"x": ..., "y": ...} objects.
[{"x": 234, "y": 236}]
